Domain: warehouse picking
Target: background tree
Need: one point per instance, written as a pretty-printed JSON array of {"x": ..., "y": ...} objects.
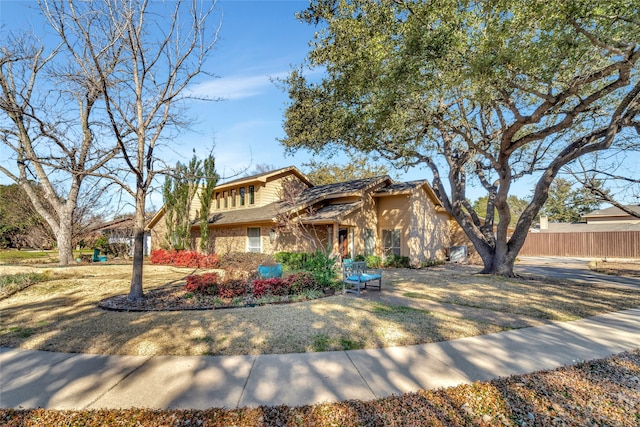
[
  {"x": 359, "y": 166},
  {"x": 179, "y": 191},
  {"x": 516, "y": 207},
  {"x": 47, "y": 104},
  {"x": 206, "y": 195},
  {"x": 480, "y": 92},
  {"x": 609, "y": 180},
  {"x": 566, "y": 203},
  {"x": 20, "y": 224},
  {"x": 160, "y": 52},
  {"x": 181, "y": 187}
]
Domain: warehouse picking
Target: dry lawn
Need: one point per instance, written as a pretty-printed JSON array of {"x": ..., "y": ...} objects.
[
  {"x": 616, "y": 268},
  {"x": 415, "y": 306}
]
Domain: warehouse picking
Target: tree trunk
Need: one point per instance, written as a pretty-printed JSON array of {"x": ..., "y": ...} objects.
[
  {"x": 63, "y": 238},
  {"x": 136, "y": 292}
]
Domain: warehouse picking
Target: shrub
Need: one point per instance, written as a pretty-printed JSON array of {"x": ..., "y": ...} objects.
[
  {"x": 301, "y": 282},
  {"x": 397, "y": 261},
  {"x": 373, "y": 261},
  {"x": 184, "y": 258},
  {"x": 272, "y": 286},
  {"x": 432, "y": 262},
  {"x": 359, "y": 258},
  {"x": 321, "y": 266},
  {"x": 247, "y": 261},
  {"x": 232, "y": 288},
  {"x": 203, "y": 283},
  {"x": 292, "y": 261}
]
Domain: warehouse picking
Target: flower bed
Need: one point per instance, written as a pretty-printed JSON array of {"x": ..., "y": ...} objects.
[
  {"x": 184, "y": 258},
  {"x": 238, "y": 292}
]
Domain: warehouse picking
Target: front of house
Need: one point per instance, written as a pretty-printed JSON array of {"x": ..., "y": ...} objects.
[{"x": 282, "y": 210}]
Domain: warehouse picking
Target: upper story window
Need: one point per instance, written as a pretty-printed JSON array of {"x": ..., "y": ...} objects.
[
  {"x": 242, "y": 190},
  {"x": 233, "y": 198},
  {"x": 225, "y": 199},
  {"x": 251, "y": 195},
  {"x": 218, "y": 200}
]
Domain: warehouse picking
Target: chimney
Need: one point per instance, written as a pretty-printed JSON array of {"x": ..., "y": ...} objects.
[{"x": 544, "y": 222}]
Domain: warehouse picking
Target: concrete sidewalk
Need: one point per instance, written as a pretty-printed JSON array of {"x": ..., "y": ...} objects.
[{"x": 32, "y": 379}]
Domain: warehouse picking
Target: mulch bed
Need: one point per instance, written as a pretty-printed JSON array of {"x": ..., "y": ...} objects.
[
  {"x": 165, "y": 299},
  {"x": 177, "y": 299}
]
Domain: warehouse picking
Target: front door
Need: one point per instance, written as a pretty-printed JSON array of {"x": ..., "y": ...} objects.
[{"x": 343, "y": 242}]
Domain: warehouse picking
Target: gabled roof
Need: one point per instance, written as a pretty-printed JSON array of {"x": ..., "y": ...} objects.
[
  {"x": 356, "y": 187},
  {"x": 406, "y": 187},
  {"x": 264, "y": 177},
  {"x": 331, "y": 213},
  {"x": 308, "y": 197},
  {"x": 265, "y": 213},
  {"x": 612, "y": 211}
]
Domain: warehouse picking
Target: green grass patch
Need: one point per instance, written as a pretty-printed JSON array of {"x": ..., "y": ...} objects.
[
  {"x": 13, "y": 283},
  {"x": 321, "y": 342},
  {"x": 6, "y": 256}
]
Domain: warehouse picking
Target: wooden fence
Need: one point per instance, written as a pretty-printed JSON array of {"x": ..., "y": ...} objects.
[{"x": 611, "y": 244}]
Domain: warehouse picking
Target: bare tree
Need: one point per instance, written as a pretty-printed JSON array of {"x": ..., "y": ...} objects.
[
  {"x": 609, "y": 179},
  {"x": 160, "y": 53},
  {"x": 291, "y": 218},
  {"x": 48, "y": 100}
]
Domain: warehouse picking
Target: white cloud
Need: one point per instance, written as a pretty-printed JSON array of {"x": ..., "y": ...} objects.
[{"x": 235, "y": 87}]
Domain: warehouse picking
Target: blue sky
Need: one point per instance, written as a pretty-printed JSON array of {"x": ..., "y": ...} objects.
[{"x": 259, "y": 41}]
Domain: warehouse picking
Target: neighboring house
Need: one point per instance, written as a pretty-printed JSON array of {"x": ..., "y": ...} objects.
[
  {"x": 120, "y": 231},
  {"x": 372, "y": 216},
  {"x": 607, "y": 232},
  {"x": 613, "y": 215}
]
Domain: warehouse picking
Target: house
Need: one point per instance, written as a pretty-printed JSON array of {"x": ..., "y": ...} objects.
[
  {"x": 613, "y": 215},
  {"x": 119, "y": 234},
  {"x": 282, "y": 210}
]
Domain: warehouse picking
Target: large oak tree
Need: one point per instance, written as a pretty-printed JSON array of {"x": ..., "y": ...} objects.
[{"x": 481, "y": 93}]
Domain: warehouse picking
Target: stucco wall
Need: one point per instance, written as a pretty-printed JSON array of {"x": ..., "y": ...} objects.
[
  {"x": 428, "y": 236},
  {"x": 394, "y": 214}
]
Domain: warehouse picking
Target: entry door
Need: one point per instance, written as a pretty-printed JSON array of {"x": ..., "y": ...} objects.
[{"x": 343, "y": 242}]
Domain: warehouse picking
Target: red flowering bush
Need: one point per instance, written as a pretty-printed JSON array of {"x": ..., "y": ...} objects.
[
  {"x": 202, "y": 283},
  {"x": 272, "y": 286},
  {"x": 301, "y": 282},
  {"x": 184, "y": 258},
  {"x": 232, "y": 288}
]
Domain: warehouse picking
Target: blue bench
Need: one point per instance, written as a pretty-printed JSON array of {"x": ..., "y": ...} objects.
[
  {"x": 357, "y": 276},
  {"x": 97, "y": 257}
]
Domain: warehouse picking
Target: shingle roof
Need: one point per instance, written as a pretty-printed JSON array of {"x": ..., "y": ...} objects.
[
  {"x": 612, "y": 211},
  {"x": 240, "y": 216},
  {"x": 318, "y": 193},
  {"x": 400, "y": 187},
  {"x": 331, "y": 213}
]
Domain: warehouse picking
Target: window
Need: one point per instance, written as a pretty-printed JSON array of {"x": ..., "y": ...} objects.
[
  {"x": 369, "y": 242},
  {"x": 251, "y": 195},
  {"x": 241, "y": 196},
  {"x": 253, "y": 239},
  {"x": 225, "y": 199},
  {"x": 391, "y": 242},
  {"x": 217, "y": 200},
  {"x": 233, "y": 198}
]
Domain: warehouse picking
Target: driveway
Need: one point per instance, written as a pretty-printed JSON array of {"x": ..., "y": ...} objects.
[{"x": 575, "y": 269}]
